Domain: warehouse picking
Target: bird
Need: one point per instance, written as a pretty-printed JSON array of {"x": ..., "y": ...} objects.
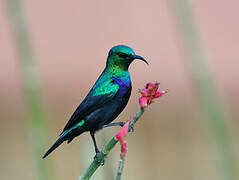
[{"x": 106, "y": 99}]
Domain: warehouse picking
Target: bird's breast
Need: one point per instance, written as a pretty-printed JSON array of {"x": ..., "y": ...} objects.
[
  {"x": 124, "y": 88},
  {"x": 124, "y": 85}
]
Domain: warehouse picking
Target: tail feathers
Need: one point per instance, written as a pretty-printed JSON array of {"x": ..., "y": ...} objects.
[
  {"x": 63, "y": 136},
  {"x": 59, "y": 141}
]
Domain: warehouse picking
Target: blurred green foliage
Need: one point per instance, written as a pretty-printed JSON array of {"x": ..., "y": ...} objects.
[
  {"x": 209, "y": 101},
  {"x": 32, "y": 88}
]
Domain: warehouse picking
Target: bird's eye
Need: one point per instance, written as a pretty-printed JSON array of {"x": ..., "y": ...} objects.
[{"x": 123, "y": 55}]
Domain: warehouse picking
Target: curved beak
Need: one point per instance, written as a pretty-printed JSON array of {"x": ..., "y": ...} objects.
[{"x": 141, "y": 58}]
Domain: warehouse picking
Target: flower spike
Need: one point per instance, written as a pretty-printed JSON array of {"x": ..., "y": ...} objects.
[{"x": 149, "y": 93}]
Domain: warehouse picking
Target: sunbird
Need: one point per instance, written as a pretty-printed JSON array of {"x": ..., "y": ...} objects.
[{"x": 106, "y": 99}]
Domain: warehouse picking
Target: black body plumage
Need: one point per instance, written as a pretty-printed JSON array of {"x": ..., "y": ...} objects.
[{"x": 105, "y": 101}]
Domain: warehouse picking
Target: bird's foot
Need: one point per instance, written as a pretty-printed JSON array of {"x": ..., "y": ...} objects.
[
  {"x": 121, "y": 124},
  {"x": 114, "y": 124},
  {"x": 99, "y": 159}
]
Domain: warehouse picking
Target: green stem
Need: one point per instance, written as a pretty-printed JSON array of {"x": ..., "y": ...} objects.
[
  {"x": 98, "y": 160},
  {"x": 120, "y": 168},
  {"x": 106, "y": 150}
]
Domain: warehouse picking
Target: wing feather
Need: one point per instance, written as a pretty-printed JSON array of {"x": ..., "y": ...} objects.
[{"x": 100, "y": 94}]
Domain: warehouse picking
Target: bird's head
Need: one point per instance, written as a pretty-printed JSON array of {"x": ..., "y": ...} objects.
[{"x": 122, "y": 56}]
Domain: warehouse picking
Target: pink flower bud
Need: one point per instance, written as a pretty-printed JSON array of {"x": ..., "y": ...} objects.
[
  {"x": 150, "y": 85},
  {"x": 123, "y": 149},
  {"x": 149, "y": 93},
  {"x": 122, "y": 132},
  {"x": 143, "y": 101},
  {"x": 146, "y": 93},
  {"x": 159, "y": 93}
]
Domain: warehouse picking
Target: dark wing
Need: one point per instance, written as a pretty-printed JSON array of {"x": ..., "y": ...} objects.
[{"x": 100, "y": 94}]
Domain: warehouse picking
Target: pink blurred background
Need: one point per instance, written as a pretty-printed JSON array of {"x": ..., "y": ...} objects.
[{"x": 71, "y": 41}]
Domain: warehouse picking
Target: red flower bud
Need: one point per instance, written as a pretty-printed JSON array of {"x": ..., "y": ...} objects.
[
  {"x": 146, "y": 93},
  {"x": 143, "y": 101},
  {"x": 149, "y": 93},
  {"x": 123, "y": 148}
]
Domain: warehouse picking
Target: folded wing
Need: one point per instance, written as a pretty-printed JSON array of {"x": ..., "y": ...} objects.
[{"x": 99, "y": 95}]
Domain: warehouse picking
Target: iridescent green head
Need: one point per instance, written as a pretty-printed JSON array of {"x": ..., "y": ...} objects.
[{"x": 121, "y": 57}]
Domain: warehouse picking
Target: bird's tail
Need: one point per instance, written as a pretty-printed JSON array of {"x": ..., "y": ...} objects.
[
  {"x": 59, "y": 141},
  {"x": 64, "y": 136}
]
